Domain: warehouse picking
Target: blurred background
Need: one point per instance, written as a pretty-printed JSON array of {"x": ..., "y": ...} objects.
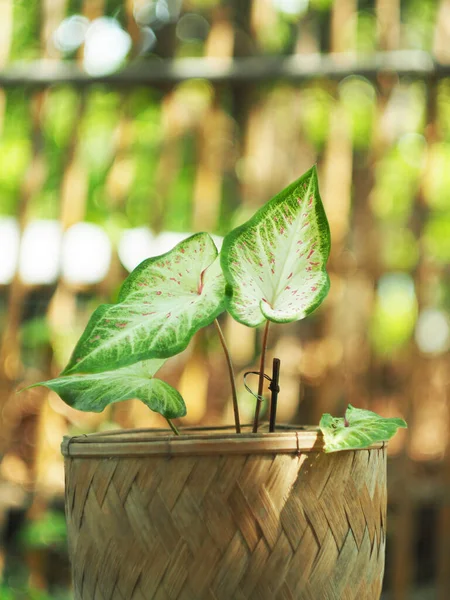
[{"x": 127, "y": 124}]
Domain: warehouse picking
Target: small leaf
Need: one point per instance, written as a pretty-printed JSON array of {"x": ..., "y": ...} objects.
[
  {"x": 359, "y": 429},
  {"x": 94, "y": 391},
  {"x": 162, "y": 303},
  {"x": 274, "y": 264}
]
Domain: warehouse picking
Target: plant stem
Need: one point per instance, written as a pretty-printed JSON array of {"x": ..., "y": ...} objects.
[
  {"x": 232, "y": 378},
  {"x": 172, "y": 427},
  {"x": 261, "y": 378},
  {"x": 274, "y": 387}
]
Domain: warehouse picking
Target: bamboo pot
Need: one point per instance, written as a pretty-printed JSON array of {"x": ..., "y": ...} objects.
[{"x": 212, "y": 515}]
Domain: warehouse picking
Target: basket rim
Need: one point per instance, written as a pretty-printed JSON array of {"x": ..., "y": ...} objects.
[{"x": 195, "y": 441}]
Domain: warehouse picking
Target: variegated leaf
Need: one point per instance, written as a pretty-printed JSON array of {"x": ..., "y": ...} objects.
[
  {"x": 162, "y": 303},
  {"x": 93, "y": 392},
  {"x": 359, "y": 429},
  {"x": 275, "y": 263}
]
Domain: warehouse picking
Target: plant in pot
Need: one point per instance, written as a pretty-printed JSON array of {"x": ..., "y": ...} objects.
[{"x": 220, "y": 514}]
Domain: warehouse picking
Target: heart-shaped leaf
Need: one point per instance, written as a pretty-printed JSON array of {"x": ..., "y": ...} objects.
[
  {"x": 275, "y": 263},
  {"x": 359, "y": 429},
  {"x": 93, "y": 392},
  {"x": 162, "y": 303}
]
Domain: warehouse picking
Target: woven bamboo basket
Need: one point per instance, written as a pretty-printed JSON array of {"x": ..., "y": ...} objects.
[{"x": 224, "y": 517}]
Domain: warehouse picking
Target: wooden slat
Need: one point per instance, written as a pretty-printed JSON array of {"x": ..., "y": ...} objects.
[
  {"x": 245, "y": 71},
  {"x": 343, "y": 25},
  {"x": 388, "y": 24}
]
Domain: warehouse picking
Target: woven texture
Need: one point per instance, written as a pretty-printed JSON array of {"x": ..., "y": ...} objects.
[{"x": 228, "y": 527}]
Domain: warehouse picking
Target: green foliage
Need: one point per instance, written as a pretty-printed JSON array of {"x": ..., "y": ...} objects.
[
  {"x": 419, "y": 17},
  {"x": 437, "y": 238},
  {"x": 437, "y": 185},
  {"x": 26, "y": 39},
  {"x": 397, "y": 183},
  {"x": 98, "y": 132},
  {"x": 180, "y": 192},
  {"x": 60, "y": 115},
  {"x": 190, "y": 48},
  {"x": 203, "y": 4},
  {"x": 271, "y": 268},
  {"x": 35, "y": 332},
  {"x": 395, "y": 313},
  {"x": 229, "y": 210},
  {"x": 443, "y": 108},
  {"x": 322, "y": 5},
  {"x": 17, "y": 123},
  {"x": 94, "y": 392},
  {"x": 275, "y": 38},
  {"x": 48, "y": 531},
  {"x": 317, "y": 105},
  {"x": 275, "y": 263},
  {"x": 15, "y": 155},
  {"x": 26, "y": 592},
  {"x": 15, "y": 149},
  {"x": 35, "y": 339},
  {"x": 359, "y": 429},
  {"x": 147, "y": 129},
  {"x": 162, "y": 303},
  {"x": 116, "y": 10},
  {"x": 358, "y": 98},
  {"x": 366, "y": 33},
  {"x": 6, "y": 593},
  {"x": 399, "y": 250}
]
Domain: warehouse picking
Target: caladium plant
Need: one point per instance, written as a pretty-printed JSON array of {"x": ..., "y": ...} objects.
[
  {"x": 271, "y": 269},
  {"x": 163, "y": 302},
  {"x": 358, "y": 429},
  {"x": 275, "y": 263},
  {"x": 95, "y": 391}
]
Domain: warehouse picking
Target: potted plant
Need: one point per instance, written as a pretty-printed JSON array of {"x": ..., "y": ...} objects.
[{"x": 220, "y": 514}]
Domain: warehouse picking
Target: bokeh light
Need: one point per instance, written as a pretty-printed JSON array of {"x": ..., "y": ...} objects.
[
  {"x": 433, "y": 331},
  {"x": 156, "y": 13},
  {"x": 135, "y": 246},
  {"x": 40, "y": 252},
  {"x": 192, "y": 27},
  {"x": 106, "y": 46},
  {"x": 147, "y": 40},
  {"x": 86, "y": 254},
  {"x": 71, "y": 33},
  {"x": 291, "y": 7},
  {"x": 395, "y": 312}
]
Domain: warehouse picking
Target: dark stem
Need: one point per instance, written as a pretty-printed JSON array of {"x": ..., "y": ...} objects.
[
  {"x": 274, "y": 387},
  {"x": 232, "y": 378},
  {"x": 172, "y": 427},
  {"x": 261, "y": 378}
]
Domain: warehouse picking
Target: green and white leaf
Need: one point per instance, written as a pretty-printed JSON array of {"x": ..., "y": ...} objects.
[
  {"x": 162, "y": 303},
  {"x": 359, "y": 429},
  {"x": 274, "y": 264},
  {"x": 93, "y": 392}
]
